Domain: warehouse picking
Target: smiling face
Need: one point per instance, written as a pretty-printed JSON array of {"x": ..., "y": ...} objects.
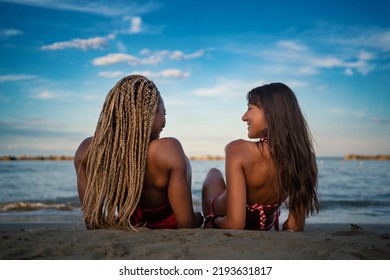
[
  {"x": 159, "y": 121},
  {"x": 255, "y": 119}
]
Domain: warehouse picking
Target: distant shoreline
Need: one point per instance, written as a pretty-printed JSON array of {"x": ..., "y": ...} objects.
[
  {"x": 4, "y": 158},
  {"x": 204, "y": 157},
  {"x": 53, "y": 157},
  {"x": 366, "y": 157}
]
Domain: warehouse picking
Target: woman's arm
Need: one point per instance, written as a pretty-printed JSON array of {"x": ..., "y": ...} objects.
[
  {"x": 235, "y": 189},
  {"x": 179, "y": 188},
  {"x": 291, "y": 223},
  {"x": 80, "y": 164}
]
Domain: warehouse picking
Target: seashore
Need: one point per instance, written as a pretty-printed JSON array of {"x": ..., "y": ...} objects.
[{"x": 70, "y": 241}]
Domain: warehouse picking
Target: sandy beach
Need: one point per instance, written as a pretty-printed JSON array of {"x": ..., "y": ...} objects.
[{"x": 73, "y": 242}]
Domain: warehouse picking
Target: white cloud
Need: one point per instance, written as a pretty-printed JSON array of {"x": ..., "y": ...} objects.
[
  {"x": 112, "y": 74},
  {"x": 291, "y": 45},
  {"x": 114, "y": 58},
  {"x": 381, "y": 40},
  {"x": 45, "y": 95},
  {"x": 227, "y": 87},
  {"x": 337, "y": 111},
  {"x": 135, "y": 25},
  {"x": 174, "y": 73},
  {"x": 121, "y": 7},
  {"x": 14, "y": 78},
  {"x": 9, "y": 32},
  {"x": 292, "y": 56},
  {"x": 179, "y": 55},
  {"x": 83, "y": 44},
  {"x": 325, "y": 62},
  {"x": 348, "y": 72},
  {"x": 365, "y": 55},
  {"x": 148, "y": 57},
  {"x": 167, "y": 73},
  {"x": 49, "y": 95},
  {"x": 372, "y": 38}
]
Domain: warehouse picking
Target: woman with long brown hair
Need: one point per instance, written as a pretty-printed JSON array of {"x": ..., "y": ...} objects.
[{"x": 279, "y": 167}]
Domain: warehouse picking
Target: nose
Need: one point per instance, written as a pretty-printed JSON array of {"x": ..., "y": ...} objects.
[{"x": 244, "y": 117}]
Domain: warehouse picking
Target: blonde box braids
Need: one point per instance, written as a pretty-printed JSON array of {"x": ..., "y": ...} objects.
[{"x": 118, "y": 152}]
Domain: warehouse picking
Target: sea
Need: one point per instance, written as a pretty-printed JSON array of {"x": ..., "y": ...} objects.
[{"x": 44, "y": 191}]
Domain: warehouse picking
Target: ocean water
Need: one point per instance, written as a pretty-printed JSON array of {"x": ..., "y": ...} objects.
[{"x": 355, "y": 192}]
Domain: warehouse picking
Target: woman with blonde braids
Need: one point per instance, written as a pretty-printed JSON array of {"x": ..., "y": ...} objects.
[{"x": 127, "y": 176}]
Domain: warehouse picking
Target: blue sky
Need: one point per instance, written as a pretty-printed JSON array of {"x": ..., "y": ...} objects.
[{"x": 59, "y": 59}]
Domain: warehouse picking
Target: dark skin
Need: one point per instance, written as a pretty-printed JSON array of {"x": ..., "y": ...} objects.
[
  {"x": 250, "y": 178},
  {"x": 167, "y": 178}
]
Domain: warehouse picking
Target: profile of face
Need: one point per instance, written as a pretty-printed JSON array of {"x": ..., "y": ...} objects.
[
  {"x": 159, "y": 121},
  {"x": 255, "y": 119}
]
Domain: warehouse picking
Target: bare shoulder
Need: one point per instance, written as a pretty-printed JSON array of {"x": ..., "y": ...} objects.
[
  {"x": 82, "y": 149},
  {"x": 239, "y": 146},
  {"x": 241, "y": 152},
  {"x": 164, "y": 143},
  {"x": 166, "y": 149}
]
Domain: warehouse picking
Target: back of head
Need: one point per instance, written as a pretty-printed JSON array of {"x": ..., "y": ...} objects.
[
  {"x": 117, "y": 155},
  {"x": 290, "y": 144}
]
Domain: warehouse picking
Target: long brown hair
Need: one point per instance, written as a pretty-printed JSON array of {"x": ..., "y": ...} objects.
[
  {"x": 291, "y": 147},
  {"x": 116, "y": 158}
]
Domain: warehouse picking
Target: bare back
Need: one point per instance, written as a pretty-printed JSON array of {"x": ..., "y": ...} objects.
[
  {"x": 166, "y": 179},
  {"x": 250, "y": 179},
  {"x": 258, "y": 170}
]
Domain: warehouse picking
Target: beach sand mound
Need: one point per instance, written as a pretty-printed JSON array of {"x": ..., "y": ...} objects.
[{"x": 318, "y": 242}]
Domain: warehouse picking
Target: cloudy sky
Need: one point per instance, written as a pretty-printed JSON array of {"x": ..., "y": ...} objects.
[{"x": 59, "y": 59}]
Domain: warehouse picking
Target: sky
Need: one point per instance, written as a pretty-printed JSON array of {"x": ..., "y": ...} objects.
[{"x": 59, "y": 59}]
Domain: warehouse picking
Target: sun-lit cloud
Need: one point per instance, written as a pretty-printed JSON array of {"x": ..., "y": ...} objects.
[
  {"x": 287, "y": 56},
  {"x": 82, "y": 44},
  {"x": 51, "y": 94},
  {"x": 114, "y": 58},
  {"x": 167, "y": 73},
  {"x": 363, "y": 37},
  {"x": 135, "y": 25},
  {"x": 159, "y": 55},
  {"x": 121, "y": 7},
  {"x": 147, "y": 57},
  {"x": 235, "y": 87},
  {"x": 227, "y": 87},
  {"x": 111, "y": 74},
  {"x": 179, "y": 55}
]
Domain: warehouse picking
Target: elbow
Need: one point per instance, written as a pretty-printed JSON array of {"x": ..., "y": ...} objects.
[
  {"x": 232, "y": 224},
  {"x": 187, "y": 225},
  {"x": 239, "y": 226},
  {"x": 196, "y": 222}
]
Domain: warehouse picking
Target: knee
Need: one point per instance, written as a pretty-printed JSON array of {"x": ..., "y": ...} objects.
[
  {"x": 215, "y": 172},
  {"x": 213, "y": 176}
]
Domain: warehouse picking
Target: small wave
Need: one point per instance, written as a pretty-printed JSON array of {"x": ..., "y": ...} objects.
[
  {"x": 327, "y": 204},
  {"x": 34, "y": 206}
]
